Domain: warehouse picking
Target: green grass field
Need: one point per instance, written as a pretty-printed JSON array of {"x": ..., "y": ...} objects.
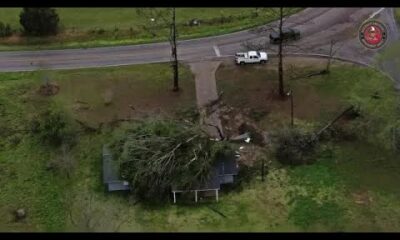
[
  {"x": 352, "y": 186},
  {"x": 23, "y": 159},
  {"x": 397, "y": 14},
  {"x": 89, "y": 27}
]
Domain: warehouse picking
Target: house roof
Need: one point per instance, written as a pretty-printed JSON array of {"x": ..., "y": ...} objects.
[
  {"x": 223, "y": 166},
  {"x": 111, "y": 172},
  {"x": 117, "y": 185},
  {"x": 110, "y": 167},
  {"x": 212, "y": 183},
  {"x": 227, "y": 165}
]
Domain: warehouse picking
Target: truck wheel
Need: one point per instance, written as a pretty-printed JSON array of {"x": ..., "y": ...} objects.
[
  {"x": 241, "y": 63},
  {"x": 263, "y": 62}
]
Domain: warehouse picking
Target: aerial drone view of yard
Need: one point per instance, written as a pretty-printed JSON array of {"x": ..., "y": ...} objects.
[{"x": 321, "y": 157}]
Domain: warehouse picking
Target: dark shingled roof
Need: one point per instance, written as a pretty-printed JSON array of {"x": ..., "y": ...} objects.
[
  {"x": 227, "y": 166},
  {"x": 212, "y": 183},
  {"x": 223, "y": 167},
  {"x": 111, "y": 173}
]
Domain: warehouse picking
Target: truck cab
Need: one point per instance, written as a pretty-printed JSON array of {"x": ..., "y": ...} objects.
[
  {"x": 287, "y": 35},
  {"x": 251, "y": 57}
]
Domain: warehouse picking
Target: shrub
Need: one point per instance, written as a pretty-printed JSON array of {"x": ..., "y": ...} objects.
[
  {"x": 39, "y": 21},
  {"x": 54, "y": 128},
  {"x": 295, "y": 147},
  {"x": 5, "y": 30}
]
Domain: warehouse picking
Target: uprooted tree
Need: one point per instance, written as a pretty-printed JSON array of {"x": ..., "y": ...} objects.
[
  {"x": 156, "y": 155},
  {"x": 159, "y": 18}
]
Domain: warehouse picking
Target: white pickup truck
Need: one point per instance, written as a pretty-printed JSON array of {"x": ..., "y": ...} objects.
[{"x": 251, "y": 57}]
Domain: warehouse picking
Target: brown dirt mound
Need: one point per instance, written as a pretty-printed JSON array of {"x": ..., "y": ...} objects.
[{"x": 49, "y": 89}]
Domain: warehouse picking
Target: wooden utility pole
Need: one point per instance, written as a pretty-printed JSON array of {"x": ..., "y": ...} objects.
[
  {"x": 280, "y": 68},
  {"x": 262, "y": 169},
  {"x": 291, "y": 108},
  {"x": 174, "y": 52}
]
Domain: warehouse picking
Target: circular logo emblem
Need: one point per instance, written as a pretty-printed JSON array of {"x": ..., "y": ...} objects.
[{"x": 373, "y": 34}]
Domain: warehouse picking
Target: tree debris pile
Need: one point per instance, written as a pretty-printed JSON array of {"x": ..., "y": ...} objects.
[{"x": 156, "y": 155}]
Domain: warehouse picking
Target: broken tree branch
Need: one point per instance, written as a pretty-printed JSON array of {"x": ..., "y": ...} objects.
[{"x": 334, "y": 120}]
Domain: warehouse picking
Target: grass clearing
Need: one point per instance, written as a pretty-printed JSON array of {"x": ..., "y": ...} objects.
[{"x": 94, "y": 27}]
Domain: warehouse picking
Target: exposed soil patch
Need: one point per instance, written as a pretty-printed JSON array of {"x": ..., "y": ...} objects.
[
  {"x": 97, "y": 98},
  {"x": 253, "y": 88},
  {"x": 49, "y": 89}
]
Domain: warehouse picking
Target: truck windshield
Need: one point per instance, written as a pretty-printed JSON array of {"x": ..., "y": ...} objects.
[{"x": 258, "y": 54}]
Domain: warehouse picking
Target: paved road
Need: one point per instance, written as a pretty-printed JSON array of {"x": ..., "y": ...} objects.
[{"x": 318, "y": 27}]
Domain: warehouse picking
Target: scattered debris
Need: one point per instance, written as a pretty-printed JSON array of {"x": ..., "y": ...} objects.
[
  {"x": 242, "y": 137},
  {"x": 194, "y": 22},
  {"x": 255, "y": 134},
  {"x": 362, "y": 198},
  {"x": 20, "y": 214},
  {"x": 376, "y": 95}
]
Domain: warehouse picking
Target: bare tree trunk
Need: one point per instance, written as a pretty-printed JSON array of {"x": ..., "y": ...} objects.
[
  {"x": 328, "y": 66},
  {"x": 280, "y": 70},
  {"x": 174, "y": 52},
  {"x": 262, "y": 169}
]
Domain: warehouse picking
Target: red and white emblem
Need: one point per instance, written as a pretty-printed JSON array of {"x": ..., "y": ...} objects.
[{"x": 373, "y": 34}]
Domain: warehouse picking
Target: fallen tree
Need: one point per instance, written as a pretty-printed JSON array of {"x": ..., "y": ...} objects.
[{"x": 156, "y": 155}]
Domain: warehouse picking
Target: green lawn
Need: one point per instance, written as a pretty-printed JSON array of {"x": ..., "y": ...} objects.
[
  {"x": 25, "y": 182},
  {"x": 352, "y": 186},
  {"x": 89, "y": 27},
  {"x": 397, "y": 14}
]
